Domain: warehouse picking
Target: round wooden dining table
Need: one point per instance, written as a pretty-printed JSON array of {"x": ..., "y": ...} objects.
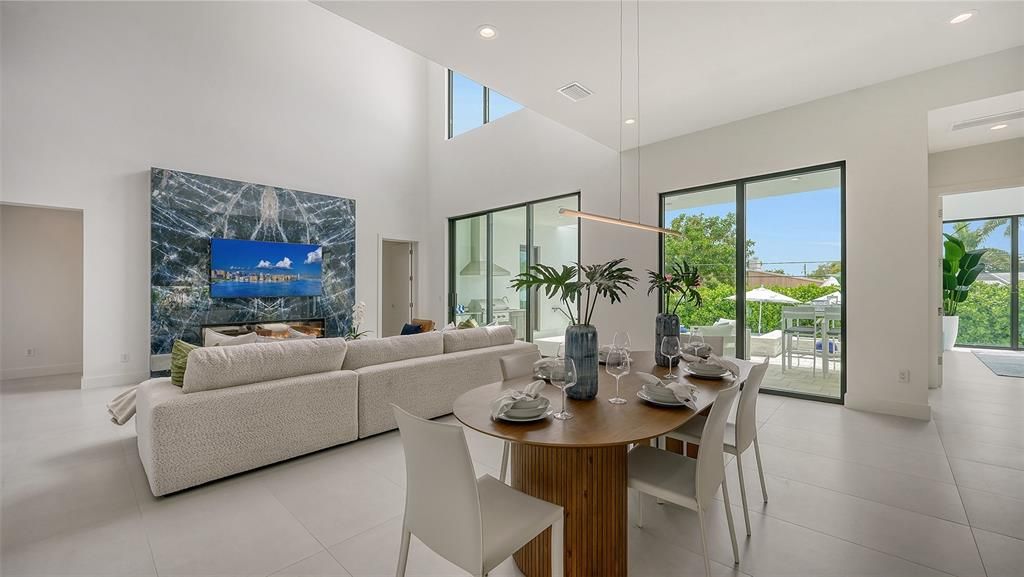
[{"x": 580, "y": 463}]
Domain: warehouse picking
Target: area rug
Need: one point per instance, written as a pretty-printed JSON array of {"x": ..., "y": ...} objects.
[{"x": 1003, "y": 364}]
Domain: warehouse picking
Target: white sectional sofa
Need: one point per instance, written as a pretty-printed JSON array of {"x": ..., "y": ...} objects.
[{"x": 251, "y": 405}]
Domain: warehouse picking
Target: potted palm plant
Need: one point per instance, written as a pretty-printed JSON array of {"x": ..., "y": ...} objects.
[
  {"x": 579, "y": 288},
  {"x": 960, "y": 268},
  {"x": 677, "y": 286}
]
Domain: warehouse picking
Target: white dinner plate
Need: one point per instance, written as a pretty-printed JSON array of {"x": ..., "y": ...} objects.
[
  {"x": 705, "y": 375},
  {"x": 645, "y": 397},
  {"x": 539, "y": 417}
]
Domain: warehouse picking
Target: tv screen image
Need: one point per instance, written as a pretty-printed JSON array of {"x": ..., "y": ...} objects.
[{"x": 254, "y": 268}]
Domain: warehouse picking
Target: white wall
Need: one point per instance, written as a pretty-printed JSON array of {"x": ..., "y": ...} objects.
[
  {"x": 880, "y": 131},
  {"x": 287, "y": 94},
  {"x": 983, "y": 204},
  {"x": 41, "y": 278},
  {"x": 982, "y": 167}
]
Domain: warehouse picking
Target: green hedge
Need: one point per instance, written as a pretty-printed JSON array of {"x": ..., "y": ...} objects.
[{"x": 985, "y": 316}]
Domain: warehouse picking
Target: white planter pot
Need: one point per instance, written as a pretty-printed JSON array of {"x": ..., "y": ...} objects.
[{"x": 950, "y": 326}]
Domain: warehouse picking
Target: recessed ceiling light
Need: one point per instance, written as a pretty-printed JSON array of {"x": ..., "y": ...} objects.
[
  {"x": 795, "y": 178},
  {"x": 963, "y": 17},
  {"x": 487, "y": 32},
  {"x": 998, "y": 126},
  {"x": 630, "y": 121}
]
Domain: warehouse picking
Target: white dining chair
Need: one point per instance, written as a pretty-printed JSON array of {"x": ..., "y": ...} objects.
[
  {"x": 513, "y": 367},
  {"x": 473, "y": 523},
  {"x": 738, "y": 437},
  {"x": 690, "y": 483}
]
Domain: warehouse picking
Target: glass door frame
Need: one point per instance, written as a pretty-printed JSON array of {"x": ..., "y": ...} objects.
[
  {"x": 489, "y": 213},
  {"x": 1014, "y": 223},
  {"x": 741, "y": 266}
]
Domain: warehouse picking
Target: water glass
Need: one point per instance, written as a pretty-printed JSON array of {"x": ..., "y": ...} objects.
[{"x": 617, "y": 365}]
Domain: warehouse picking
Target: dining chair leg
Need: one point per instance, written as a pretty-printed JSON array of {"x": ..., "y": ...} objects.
[
  {"x": 403, "y": 552},
  {"x": 732, "y": 527},
  {"x": 743, "y": 492},
  {"x": 558, "y": 548},
  {"x": 704, "y": 542},
  {"x": 504, "y": 462},
  {"x": 639, "y": 509},
  {"x": 760, "y": 470}
]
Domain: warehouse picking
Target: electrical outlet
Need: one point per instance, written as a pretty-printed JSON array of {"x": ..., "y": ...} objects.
[
  {"x": 30, "y": 352},
  {"x": 124, "y": 357},
  {"x": 904, "y": 375}
]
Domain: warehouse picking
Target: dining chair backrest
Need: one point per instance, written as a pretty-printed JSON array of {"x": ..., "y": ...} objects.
[
  {"x": 746, "y": 413},
  {"x": 521, "y": 365},
  {"x": 711, "y": 458},
  {"x": 442, "y": 501}
]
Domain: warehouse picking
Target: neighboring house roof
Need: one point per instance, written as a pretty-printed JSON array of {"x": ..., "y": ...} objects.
[{"x": 1002, "y": 278}]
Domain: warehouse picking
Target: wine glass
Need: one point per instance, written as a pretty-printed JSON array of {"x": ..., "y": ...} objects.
[
  {"x": 670, "y": 348},
  {"x": 617, "y": 365},
  {"x": 565, "y": 381},
  {"x": 621, "y": 341}
]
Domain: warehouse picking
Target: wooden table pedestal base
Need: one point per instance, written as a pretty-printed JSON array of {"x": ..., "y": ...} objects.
[{"x": 590, "y": 484}]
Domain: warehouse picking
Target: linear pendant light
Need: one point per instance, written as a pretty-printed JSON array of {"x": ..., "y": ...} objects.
[{"x": 620, "y": 221}]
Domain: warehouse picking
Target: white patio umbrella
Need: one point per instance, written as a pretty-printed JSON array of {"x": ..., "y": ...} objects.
[{"x": 762, "y": 295}]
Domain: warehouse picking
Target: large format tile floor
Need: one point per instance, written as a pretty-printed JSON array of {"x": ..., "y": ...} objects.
[{"x": 851, "y": 494}]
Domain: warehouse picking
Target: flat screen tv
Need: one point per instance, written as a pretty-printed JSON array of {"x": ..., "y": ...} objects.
[{"x": 254, "y": 268}]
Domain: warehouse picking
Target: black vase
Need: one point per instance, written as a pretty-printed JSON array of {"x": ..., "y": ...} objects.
[
  {"x": 665, "y": 325},
  {"x": 581, "y": 347}
]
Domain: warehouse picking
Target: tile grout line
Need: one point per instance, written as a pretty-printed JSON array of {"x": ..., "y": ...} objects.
[
  {"x": 962, "y": 504},
  {"x": 138, "y": 507}
]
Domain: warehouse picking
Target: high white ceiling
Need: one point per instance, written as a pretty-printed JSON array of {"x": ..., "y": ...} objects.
[
  {"x": 942, "y": 136},
  {"x": 702, "y": 64}
]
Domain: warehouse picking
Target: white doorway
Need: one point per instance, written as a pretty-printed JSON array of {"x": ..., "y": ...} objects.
[
  {"x": 397, "y": 285},
  {"x": 42, "y": 286}
]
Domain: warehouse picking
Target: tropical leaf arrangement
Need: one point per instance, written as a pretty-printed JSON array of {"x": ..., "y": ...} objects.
[
  {"x": 960, "y": 268},
  {"x": 681, "y": 284},
  {"x": 578, "y": 287}
]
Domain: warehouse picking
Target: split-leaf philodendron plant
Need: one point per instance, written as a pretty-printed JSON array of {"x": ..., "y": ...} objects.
[
  {"x": 960, "y": 268},
  {"x": 590, "y": 282}
]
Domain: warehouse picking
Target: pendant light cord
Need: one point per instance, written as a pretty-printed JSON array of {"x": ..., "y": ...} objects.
[
  {"x": 620, "y": 120},
  {"x": 637, "y": 124}
]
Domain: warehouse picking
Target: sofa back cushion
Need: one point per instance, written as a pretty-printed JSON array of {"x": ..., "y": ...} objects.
[
  {"x": 369, "y": 352},
  {"x": 469, "y": 339},
  {"x": 221, "y": 367}
]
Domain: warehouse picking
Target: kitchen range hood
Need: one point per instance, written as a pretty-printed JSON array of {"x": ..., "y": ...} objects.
[{"x": 477, "y": 266}]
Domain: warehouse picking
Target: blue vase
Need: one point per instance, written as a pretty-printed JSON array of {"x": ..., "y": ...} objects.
[
  {"x": 581, "y": 347},
  {"x": 665, "y": 325}
]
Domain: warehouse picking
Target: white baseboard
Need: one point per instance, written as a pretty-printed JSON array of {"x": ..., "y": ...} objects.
[
  {"x": 46, "y": 371},
  {"x": 889, "y": 407},
  {"x": 114, "y": 380}
]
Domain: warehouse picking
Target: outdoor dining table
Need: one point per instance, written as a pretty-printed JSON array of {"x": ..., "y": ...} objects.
[{"x": 580, "y": 463}]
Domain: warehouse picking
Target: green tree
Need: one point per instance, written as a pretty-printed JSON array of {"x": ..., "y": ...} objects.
[
  {"x": 825, "y": 270},
  {"x": 709, "y": 243},
  {"x": 974, "y": 237}
]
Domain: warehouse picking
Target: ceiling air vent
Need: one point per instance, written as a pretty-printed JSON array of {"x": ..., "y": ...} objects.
[
  {"x": 574, "y": 91},
  {"x": 987, "y": 120}
]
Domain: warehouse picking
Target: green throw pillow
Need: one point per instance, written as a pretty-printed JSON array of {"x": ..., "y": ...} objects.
[
  {"x": 179, "y": 358},
  {"x": 469, "y": 323}
]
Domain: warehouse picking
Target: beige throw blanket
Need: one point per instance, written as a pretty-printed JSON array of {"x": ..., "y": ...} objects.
[{"x": 122, "y": 407}]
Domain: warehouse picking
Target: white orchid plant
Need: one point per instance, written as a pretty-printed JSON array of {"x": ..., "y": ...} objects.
[{"x": 358, "y": 316}]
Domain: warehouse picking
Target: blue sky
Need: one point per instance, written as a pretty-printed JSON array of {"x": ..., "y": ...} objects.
[
  {"x": 468, "y": 104},
  {"x": 788, "y": 230},
  {"x": 251, "y": 256},
  {"x": 996, "y": 239}
]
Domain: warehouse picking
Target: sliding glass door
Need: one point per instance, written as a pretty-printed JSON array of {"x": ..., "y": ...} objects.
[
  {"x": 770, "y": 250},
  {"x": 990, "y": 317},
  {"x": 487, "y": 249}
]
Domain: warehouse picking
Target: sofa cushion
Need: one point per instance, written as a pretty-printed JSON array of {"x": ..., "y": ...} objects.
[
  {"x": 369, "y": 352},
  {"x": 179, "y": 360},
  {"x": 220, "y": 367},
  {"x": 469, "y": 339}
]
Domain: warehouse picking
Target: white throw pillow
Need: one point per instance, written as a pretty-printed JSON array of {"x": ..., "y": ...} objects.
[
  {"x": 212, "y": 338},
  {"x": 275, "y": 327},
  {"x": 294, "y": 334},
  {"x": 724, "y": 322},
  {"x": 448, "y": 327}
]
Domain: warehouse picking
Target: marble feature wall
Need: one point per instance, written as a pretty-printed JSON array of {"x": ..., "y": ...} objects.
[{"x": 187, "y": 210}]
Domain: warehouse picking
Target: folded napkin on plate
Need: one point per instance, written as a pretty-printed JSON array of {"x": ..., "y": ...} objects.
[
  {"x": 508, "y": 400},
  {"x": 685, "y": 393},
  {"x": 714, "y": 360}
]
